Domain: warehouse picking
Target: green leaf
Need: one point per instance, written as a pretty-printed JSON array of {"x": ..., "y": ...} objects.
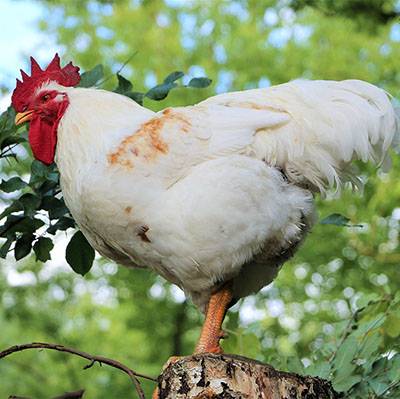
[
  {"x": 20, "y": 224},
  {"x": 30, "y": 204},
  {"x": 11, "y": 221},
  {"x": 62, "y": 224},
  {"x": 379, "y": 387},
  {"x": 14, "y": 207},
  {"x": 199, "y": 83},
  {"x": 42, "y": 248},
  {"x": 346, "y": 382},
  {"x": 90, "y": 78},
  {"x": 295, "y": 365},
  {"x": 124, "y": 85},
  {"x": 394, "y": 368},
  {"x": 79, "y": 254},
  {"x": 322, "y": 370},
  {"x": 392, "y": 325},
  {"x": 366, "y": 299},
  {"x": 7, "y": 119},
  {"x": 368, "y": 355},
  {"x": 5, "y": 135},
  {"x": 39, "y": 169},
  {"x": 161, "y": 91},
  {"x": 370, "y": 345},
  {"x": 5, "y": 247},
  {"x": 56, "y": 207},
  {"x": 47, "y": 188},
  {"x": 10, "y": 140},
  {"x": 13, "y": 184},
  {"x": 173, "y": 76},
  {"x": 370, "y": 325},
  {"x": 343, "y": 361},
  {"x": 379, "y": 367},
  {"x": 23, "y": 246},
  {"x": 136, "y": 96},
  {"x": 54, "y": 176},
  {"x": 336, "y": 219}
]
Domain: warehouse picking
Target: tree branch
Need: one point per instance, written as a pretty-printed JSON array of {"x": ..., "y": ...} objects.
[
  {"x": 100, "y": 359},
  {"x": 119, "y": 70},
  {"x": 71, "y": 395},
  {"x": 66, "y": 395}
]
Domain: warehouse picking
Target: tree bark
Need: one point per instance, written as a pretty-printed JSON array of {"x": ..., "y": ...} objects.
[{"x": 234, "y": 377}]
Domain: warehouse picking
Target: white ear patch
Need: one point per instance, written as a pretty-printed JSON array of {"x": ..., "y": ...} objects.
[
  {"x": 59, "y": 97},
  {"x": 48, "y": 86}
]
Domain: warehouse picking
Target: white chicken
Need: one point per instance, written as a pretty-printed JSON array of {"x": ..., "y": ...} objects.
[{"x": 214, "y": 197}]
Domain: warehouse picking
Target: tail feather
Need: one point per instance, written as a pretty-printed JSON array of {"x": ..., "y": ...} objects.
[{"x": 333, "y": 124}]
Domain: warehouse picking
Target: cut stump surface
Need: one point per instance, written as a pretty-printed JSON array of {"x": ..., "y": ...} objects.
[{"x": 234, "y": 377}]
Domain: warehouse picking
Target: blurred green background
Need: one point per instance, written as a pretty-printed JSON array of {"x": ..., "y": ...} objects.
[{"x": 134, "y": 316}]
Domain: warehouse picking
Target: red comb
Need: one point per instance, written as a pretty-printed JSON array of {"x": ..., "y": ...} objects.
[{"x": 67, "y": 76}]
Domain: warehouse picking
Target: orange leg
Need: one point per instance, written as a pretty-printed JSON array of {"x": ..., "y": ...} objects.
[{"x": 212, "y": 332}]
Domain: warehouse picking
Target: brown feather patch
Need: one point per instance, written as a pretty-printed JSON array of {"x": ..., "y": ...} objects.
[{"x": 147, "y": 142}]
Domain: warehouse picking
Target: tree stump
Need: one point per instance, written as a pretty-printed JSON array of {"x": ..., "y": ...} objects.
[{"x": 211, "y": 376}]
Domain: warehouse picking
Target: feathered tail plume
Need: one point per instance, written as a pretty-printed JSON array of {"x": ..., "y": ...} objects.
[{"x": 332, "y": 124}]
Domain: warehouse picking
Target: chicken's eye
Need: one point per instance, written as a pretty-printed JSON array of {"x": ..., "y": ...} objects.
[
  {"x": 24, "y": 108},
  {"x": 45, "y": 97}
]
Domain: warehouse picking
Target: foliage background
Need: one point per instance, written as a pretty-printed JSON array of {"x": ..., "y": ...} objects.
[{"x": 298, "y": 322}]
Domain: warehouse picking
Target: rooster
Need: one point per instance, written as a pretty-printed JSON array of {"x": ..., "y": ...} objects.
[{"x": 214, "y": 197}]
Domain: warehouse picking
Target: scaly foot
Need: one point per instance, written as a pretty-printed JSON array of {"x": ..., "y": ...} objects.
[{"x": 211, "y": 332}]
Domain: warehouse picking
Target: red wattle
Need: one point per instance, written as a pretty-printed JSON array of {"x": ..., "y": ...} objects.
[{"x": 43, "y": 135}]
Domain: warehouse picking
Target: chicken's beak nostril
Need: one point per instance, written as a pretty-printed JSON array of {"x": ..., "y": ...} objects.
[{"x": 22, "y": 117}]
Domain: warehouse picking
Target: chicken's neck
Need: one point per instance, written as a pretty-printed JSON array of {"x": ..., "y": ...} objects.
[{"x": 94, "y": 123}]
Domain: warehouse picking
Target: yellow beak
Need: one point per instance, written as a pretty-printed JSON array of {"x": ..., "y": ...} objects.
[{"x": 22, "y": 117}]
